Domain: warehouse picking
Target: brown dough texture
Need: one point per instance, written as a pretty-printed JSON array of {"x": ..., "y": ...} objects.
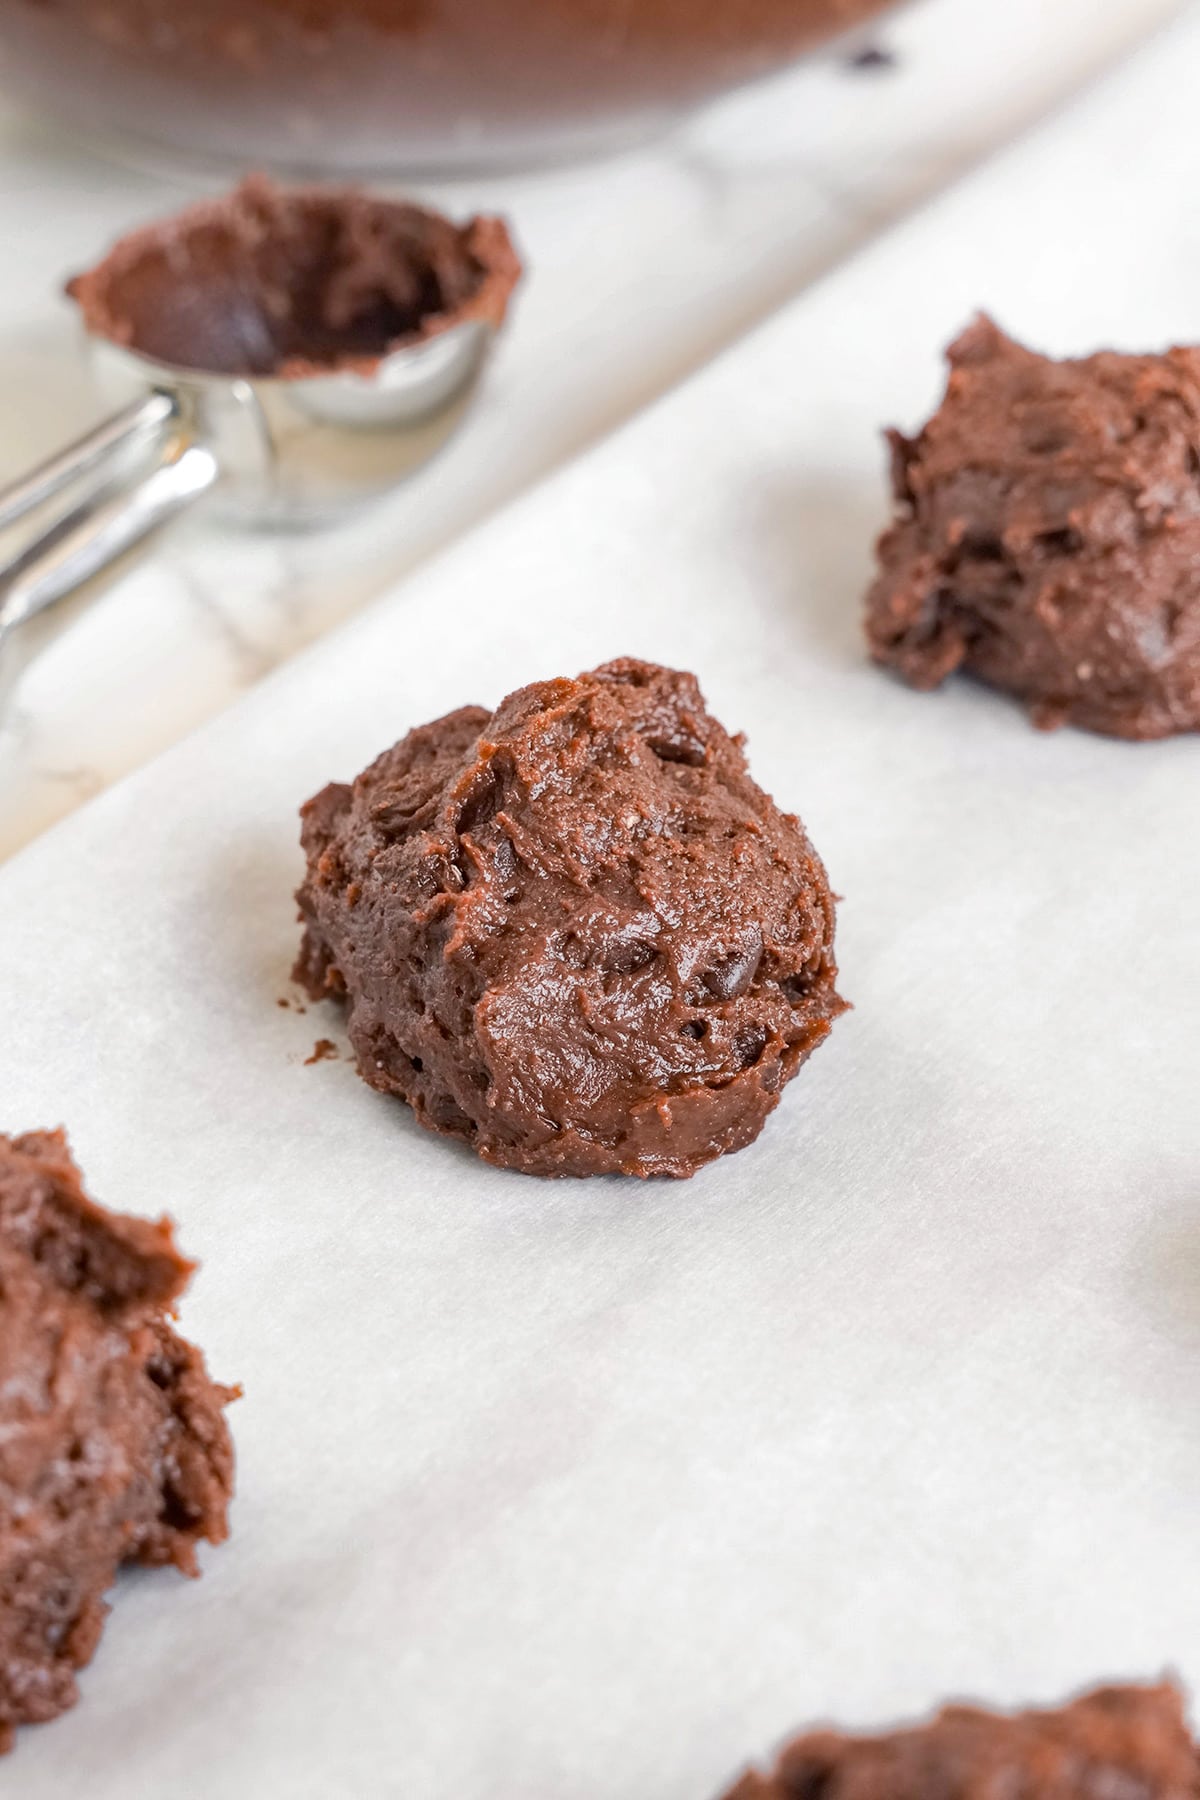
[
  {"x": 1047, "y": 537},
  {"x": 113, "y": 1447},
  {"x": 1116, "y": 1743},
  {"x": 292, "y": 282},
  {"x": 573, "y": 933}
]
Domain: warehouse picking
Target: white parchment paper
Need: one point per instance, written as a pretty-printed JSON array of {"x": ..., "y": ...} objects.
[{"x": 596, "y": 1490}]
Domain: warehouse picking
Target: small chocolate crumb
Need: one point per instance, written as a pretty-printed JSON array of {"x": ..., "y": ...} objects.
[
  {"x": 874, "y": 58},
  {"x": 322, "y": 1051}
]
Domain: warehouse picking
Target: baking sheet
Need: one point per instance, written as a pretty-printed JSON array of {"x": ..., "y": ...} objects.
[{"x": 599, "y": 1489}]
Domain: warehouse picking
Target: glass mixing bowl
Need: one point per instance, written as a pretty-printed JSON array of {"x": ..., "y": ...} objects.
[{"x": 329, "y": 86}]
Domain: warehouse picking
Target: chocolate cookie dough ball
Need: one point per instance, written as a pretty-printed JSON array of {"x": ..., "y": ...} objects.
[
  {"x": 113, "y": 1444},
  {"x": 573, "y": 933},
  {"x": 1047, "y": 537},
  {"x": 1127, "y": 1741}
]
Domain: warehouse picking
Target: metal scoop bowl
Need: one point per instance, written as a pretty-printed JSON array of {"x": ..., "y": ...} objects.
[{"x": 291, "y": 451}]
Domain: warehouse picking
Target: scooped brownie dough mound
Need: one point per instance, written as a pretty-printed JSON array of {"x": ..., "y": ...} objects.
[
  {"x": 1126, "y": 1741},
  {"x": 1047, "y": 537},
  {"x": 574, "y": 932},
  {"x": 113, "y": 1447}
]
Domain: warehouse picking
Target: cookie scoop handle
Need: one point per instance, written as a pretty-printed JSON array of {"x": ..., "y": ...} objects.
[
  {"x": 86, "y": 540},
  {"x": 137, "y": 426}
]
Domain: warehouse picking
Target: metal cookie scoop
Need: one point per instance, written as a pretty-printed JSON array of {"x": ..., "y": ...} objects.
[{"x": 295, "y": 353}]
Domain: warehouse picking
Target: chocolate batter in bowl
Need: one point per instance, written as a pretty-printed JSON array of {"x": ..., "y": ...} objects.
[{"x": 325, "y": 85}]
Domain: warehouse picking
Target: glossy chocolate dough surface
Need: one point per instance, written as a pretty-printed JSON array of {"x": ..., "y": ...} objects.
[
  {"x": 113, "y": 1447},
  {"x": 295, "y": 281},
  {"x": 342, "y": 84},
  {"x": 1047, "y": 537},
  {"x": 1117, "y": 1743},
  {"x": 573, "y": 932}
]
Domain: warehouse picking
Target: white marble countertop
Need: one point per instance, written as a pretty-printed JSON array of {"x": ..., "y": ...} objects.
[{"x": 641, "y": 269}]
